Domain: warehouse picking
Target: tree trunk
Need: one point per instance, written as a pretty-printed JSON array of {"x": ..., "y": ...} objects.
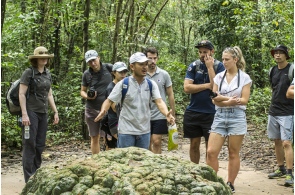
[
  {"x": 3, "y": 9},
  {"x": 117, "y": 31},
  {"x": 85, "y": 48},
  {"x": 57, "y": 22}
]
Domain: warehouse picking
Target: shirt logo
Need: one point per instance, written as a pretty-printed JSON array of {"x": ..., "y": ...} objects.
[{"x": 189, "y": 68}]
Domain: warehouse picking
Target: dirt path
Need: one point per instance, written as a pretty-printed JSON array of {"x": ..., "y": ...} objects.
[{"x": 248, "y": 182}]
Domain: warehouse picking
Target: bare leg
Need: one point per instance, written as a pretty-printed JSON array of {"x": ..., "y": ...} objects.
[
  {"x": 194, "y": 151},
  {"x": 234, "y": 147},
  {"x": 279, "y": 149},
  {"x": 156, "y": 143},
  {"x": 95, "y": 146},
  {"x": 289, "y": 154},
  {"x": 215, "y": 143}
]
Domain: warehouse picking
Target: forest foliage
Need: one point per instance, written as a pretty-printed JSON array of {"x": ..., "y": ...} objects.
[{"x": 118, "y": 28}]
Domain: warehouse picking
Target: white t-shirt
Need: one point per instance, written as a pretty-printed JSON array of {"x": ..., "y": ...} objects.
[{"x": 231, "y": 89}]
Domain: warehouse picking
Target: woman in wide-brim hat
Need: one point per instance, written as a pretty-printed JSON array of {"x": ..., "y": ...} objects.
[
  {"x": 40, "y": 53},
  {"x": 34, "y": 108}
]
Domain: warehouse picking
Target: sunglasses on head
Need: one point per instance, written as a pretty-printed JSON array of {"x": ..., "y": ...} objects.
[{"x": 43, "y": 52}]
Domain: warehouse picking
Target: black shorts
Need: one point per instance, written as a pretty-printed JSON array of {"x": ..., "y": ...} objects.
[
  {"x": 159, "y": 127},
  {"x": 196, "y": 124}
]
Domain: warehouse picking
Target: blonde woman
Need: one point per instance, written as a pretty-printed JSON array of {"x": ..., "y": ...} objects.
[{"x": 232, "y": 92}]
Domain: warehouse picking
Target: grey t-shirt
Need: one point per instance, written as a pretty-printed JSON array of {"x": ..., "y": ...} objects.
[
  {"x": 163, "y": 80},
  {"x": 100, "y": 80},
  {"x": 39, "y": 102},
  {"x": 135, "y": 114}
]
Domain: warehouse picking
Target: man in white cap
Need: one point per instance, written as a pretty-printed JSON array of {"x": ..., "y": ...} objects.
[
  {"x": 134, "y": 119},
  {"x": 94, "y": 83}
]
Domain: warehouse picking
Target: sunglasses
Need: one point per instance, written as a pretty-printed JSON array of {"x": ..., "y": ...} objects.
[{"x": 43, "y": 52}]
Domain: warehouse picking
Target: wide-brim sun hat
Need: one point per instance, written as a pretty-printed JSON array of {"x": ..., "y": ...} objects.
[{"x": 41, "y": 52}]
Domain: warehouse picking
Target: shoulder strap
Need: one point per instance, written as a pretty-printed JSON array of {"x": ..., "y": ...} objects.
[
  {"x": 150, "y": 86},
  {"x": 32, "y": 82},
  {"x": 270, "y": 73},
  {"x": 291, "y": 72},
  {"x": 125, "y": 86}
]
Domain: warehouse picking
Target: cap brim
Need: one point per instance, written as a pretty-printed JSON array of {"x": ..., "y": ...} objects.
[
  {"x": 94, "y": 57},
  {"x": 41, "y": 56},
  {"x": 121, "y": 69}
]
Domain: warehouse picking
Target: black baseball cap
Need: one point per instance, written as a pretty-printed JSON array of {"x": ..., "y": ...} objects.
[
  {"x": 206, "y": 44},
  {"x": 281, "y": 48}
]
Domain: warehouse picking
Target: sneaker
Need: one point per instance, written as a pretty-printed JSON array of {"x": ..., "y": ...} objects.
[
  {"x": 277, "y": 174},
  {"x": 289, "y": 181},
  {"x": 231, "y": 187}
]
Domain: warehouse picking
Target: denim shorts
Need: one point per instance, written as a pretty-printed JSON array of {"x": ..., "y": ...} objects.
[
  {"x": 280, "y": 127},
  {"x": 229, "y": 121},
  {"x": 140, "y": 141}
]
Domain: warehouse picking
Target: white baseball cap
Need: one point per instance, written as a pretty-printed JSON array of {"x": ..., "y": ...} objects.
[
  {"x": 119, "y": 66},
  {"x": 138, "y": 57},
  {"x": 90, "y": 55}
]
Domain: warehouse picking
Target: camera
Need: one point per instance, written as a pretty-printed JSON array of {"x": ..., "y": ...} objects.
[
  {"x": 212, "y": 94},
  {"x": 91, "y": 92}
]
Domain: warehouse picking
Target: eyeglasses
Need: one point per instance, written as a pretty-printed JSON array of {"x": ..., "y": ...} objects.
[
  {"x": 279, "y": 52},
  {"x": 227, "y": 92},
  {"x": 43, "y": 52}
]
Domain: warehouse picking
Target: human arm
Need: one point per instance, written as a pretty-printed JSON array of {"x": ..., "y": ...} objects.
[
  {"x": 224, "y": 101},
  {"x": 104, "y": 108},
  {"x": 290, "y": 92},
  {"x": 84, "y": 95},
  {"x": 189, "y": 87},
  {"x": 23, "y": 104},
  {"x": 209, "y": 62},
  {"x": 53, "y": 107},
  {"x": 170, "y": 94},
  {"x": 164, "y": 110}
]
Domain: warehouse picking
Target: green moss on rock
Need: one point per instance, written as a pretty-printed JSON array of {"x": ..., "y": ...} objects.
[{"x": 130, "y": 171}]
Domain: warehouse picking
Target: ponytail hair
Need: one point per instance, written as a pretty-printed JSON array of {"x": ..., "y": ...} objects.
[{"x": 236, "y": 52}]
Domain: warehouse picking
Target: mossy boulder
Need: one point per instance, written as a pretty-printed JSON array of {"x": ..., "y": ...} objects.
[{"x": 127, "y": 171}]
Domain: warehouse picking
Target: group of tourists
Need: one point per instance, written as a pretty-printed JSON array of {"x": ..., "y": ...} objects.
[{"x": 136, "y": 111}]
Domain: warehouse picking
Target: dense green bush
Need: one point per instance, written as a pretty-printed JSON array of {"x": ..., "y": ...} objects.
[{"x": 258, "y": 105}]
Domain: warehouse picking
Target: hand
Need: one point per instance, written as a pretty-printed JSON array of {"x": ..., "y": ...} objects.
[
  {"x": 25, "y": 120},
  {"x": 209, "y": 61},
  {"x": 99, "y": 116},
  {"x": 238, "y": 101},
  {"x": 170, "y": 117},
  {"x": 56, "y": 118}
]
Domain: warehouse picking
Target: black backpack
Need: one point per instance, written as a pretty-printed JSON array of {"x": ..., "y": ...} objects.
[{"x": 12, "y": 95}]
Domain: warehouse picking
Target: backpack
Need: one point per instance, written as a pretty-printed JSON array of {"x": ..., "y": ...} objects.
[
  {"x": 12, "y": 95},
  {"x": 290, "y": 72},
  {"x": 125, "y": 86},
  {"x": 197, "y": 63}
]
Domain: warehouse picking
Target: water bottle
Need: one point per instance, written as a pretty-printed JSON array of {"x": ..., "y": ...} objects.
[{"x": 27, "y": 132}]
